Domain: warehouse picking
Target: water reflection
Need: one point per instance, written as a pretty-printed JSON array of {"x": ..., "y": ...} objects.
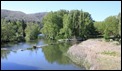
[
  {"x": 56, "y": 53},
  {"x": 4, "y": 54},
  {"x": 15, "y": 66},
  {"x": 48, "y": 57}
]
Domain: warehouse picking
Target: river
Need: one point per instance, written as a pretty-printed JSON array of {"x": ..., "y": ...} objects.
[{"x": 22, "y": 56}]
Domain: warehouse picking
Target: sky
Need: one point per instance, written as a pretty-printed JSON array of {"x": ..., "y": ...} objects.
[{"x": 99, "y": 10}]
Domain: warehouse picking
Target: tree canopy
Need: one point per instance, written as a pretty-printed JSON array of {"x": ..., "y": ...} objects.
[
  {"x": 110, "y": 27},
  {"x": 62, "y": 24},
  {"x": 67, "y": 24}
]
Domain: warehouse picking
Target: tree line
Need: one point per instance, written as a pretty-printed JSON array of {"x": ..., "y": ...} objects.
[
  {"x": 18, "y": 30},
  {"x": 79, "y": 24},
  {"x": 62, "y": 24},
  {"x": 110, "y": 27},
  {"x": 68, "y": 24}
]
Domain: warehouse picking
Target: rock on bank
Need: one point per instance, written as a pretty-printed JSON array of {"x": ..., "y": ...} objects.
[{"x": 96, "y": 54}]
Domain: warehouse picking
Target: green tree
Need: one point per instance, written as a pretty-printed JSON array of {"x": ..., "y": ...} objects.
[
  {"x": 7, "y": 31},
  {"x": 100, "y": 27},
  {"x": 19, "y": 33},
  {"x": 60, "y": 15},
  {"x": 119, "y": 26},
  {"x": 111, "y": 26},
  {"x": 66, "y": 30},
  {"x": 32, "y": 30},
  {"x": 64, "y": 24},
  {"x": 51, "y": 25}
]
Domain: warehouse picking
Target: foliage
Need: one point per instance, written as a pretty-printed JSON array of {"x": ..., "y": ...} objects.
[
  {"x": 7, "y": 31},
  {"x": 99, "y": 27},
  {"x": 66, "y": 31},
  {"x": 15, "y": 30},
  {"x": 56, "y": 53},
  {"x": 68, "y": 24},
  {"x": 110, "y": 27},
  {"x": 119, "y": 26},
  {"x": 62, "y": 24},
  {"x": 51, "y": 25},
  {"x": 32, "y": 30}
]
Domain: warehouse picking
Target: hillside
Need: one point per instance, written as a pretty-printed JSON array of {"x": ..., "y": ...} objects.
[{"x": 18, "y": 15}]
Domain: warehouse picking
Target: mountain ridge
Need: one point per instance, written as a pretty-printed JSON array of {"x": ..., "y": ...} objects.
[{"x": 19, "y": 15}]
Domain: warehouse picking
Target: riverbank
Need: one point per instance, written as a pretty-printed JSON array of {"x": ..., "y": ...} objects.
[{"x": 96, "y": 54}]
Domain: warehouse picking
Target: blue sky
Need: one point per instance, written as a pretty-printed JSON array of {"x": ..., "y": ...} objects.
[{"x": 99, "y": 10}]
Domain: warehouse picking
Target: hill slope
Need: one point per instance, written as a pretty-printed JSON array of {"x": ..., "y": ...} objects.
[{"x": 18, "y": 15}]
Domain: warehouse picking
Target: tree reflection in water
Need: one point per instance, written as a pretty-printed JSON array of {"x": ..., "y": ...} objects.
[
  {"x": 56, "y": 53},
  {"x": 4, "y": 54}
]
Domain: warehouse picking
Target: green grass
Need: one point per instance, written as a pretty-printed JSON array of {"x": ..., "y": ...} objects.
[
  {"x": 87, "y": 65},
  {"x": 111, "y": 53}
]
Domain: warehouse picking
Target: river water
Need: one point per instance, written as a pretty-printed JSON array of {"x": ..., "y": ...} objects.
[{"x": 22, "y": 56}]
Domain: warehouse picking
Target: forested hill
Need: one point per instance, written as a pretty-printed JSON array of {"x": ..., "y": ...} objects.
[{"x": 18, "y": 15}]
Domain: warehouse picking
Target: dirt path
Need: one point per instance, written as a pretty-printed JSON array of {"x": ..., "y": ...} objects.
[{"x": 96, "y": 54}]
